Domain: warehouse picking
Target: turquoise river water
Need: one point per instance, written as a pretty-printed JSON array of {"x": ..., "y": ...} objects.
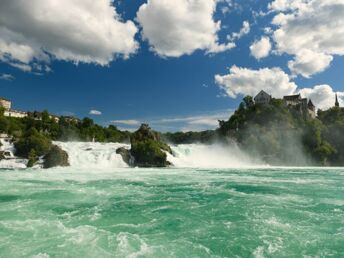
[{"x": 263, "y": 212}]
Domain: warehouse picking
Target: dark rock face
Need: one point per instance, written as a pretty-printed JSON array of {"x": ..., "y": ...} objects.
[
  {"x": 147, "y": 149},
  {"x": 56, "y": 157},
  {"x": 126, "y": 155},
  {"x": 2, "y": 155}
]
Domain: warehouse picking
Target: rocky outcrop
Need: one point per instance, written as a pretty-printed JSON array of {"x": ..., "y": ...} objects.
[
  {"x": 147, "y": 149},
  {"x": 56, "y": 157},
  {"x": 32, "y": 159},
  {"x": 2, "y": 155},
  {"x": 126, "y": 156}
]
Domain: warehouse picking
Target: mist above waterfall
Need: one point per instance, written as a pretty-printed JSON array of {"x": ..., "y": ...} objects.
[{"x": 210, "y": 156}]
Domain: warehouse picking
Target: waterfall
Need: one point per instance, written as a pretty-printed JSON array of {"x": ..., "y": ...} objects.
[
  {"x": 97, "y": 156},
  {"x": 93, "y": 155}
]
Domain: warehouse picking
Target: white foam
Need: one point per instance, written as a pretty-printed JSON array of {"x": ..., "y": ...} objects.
[
  {"x": 209, "y": 156},
  {"x": 103, "y": 155},
  {"x": 11, "y": 162},
  {"x": 93, "y": 155}
]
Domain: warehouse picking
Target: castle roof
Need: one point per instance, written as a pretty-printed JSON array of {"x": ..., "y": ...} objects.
[
  {"x": 292, "y": 97},
  {"x": 262, "y": 92},
  {"x": 4, "y": 99},
  {"x": 310, "y": 103}
]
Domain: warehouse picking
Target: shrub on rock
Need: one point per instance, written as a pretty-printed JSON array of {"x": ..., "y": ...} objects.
[
  {"x": 32, "y": 159},
  {"x": 35, "y": 141},
  {"x": 147, "y": 149}
]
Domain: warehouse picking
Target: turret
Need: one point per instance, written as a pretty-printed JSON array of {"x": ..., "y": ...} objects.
[
  {"x": 337, "y": 102},
  {"x": 311, "y": 105}
]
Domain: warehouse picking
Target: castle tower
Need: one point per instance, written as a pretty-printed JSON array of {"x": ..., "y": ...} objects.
[
  {"x": 311, "y": 109},
  {"x": 311, "y": 105},
  {"x": 337, "y": 102}
]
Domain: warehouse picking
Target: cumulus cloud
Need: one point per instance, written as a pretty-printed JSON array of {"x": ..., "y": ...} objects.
[
  {"x": 72, "y": 30},
  {"x": 323, "y": 96},
  {"x": 311, "y": 31},
  {"x": 179, "y": 27},
  {"x": 244, "y": 81},
  {"x": 306, "y": 62},
  {"x": 95, "y": 112},
  {"x": 7, "y": 77},
  {"x": 261, "y": 48}
]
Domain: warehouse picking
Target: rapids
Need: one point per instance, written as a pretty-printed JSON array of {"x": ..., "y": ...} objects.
[{"x": 176, "y": 212}]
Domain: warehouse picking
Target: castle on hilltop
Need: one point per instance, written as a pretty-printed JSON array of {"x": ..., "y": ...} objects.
[
  {"x": 9, "y": 112},
  {"x": 296, "y": 102}
]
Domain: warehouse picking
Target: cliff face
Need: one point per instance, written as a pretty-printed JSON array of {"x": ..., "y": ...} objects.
[{"x": 147, "y": 149}]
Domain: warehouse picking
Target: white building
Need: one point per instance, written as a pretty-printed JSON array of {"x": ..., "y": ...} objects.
[
  {"x": 262, "y": 98},
  {"x": 15, "y": 113},
  {"x": 5, "y": 103}
]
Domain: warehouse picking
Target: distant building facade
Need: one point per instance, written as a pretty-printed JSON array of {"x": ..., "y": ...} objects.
[
  {"x": 262, "y": 98},
  {"x": 311, "y": 109},
  {"x": 303, "y": 105},
  {"x": 9, "y": 112},
  {"x": 293, "y": 102},
  {"x": 15, "y": 113},
  {"x": 5, "y": 103}
]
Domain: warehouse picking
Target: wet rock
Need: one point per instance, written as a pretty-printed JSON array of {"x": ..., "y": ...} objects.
[
  {"x": 126, "y": 156},
  {"x": 56, "y": 157}
]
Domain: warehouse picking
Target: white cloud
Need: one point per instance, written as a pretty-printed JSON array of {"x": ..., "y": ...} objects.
[
  {"x": 244, "y": 81},
  {"x": 286, "y": 5},
  {"x": 243, "y": 31},
  {"x": 311, "y": 31},
  {"x": 7, "y": 77},
  {"x": 261, "y": 48},
  {"x": 209, "y": 120},
  {"x": 95, "y": 112},
  {"x": 179, "y": 27},
  {"x": 72, "y": 30},
  {"x": 126, "y": 122},
  {"x": 198, "y": 122},
  {"x": 323, "y": 96},
  {"x": 307, "y": 62},
  {"x": 21, "y": 66}
]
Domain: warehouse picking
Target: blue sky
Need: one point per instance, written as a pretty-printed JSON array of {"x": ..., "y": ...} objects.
[{"x": 172, "y": 89}]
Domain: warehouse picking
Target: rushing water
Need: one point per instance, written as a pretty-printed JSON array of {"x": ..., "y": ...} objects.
[{"x": 177, "y": 212}]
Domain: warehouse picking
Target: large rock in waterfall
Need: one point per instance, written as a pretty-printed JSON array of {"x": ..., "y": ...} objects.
[
  {"x": 56, "y": 157},
  {"x": 126, "y": 156},
  {"x": 147, "y": 149}
]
